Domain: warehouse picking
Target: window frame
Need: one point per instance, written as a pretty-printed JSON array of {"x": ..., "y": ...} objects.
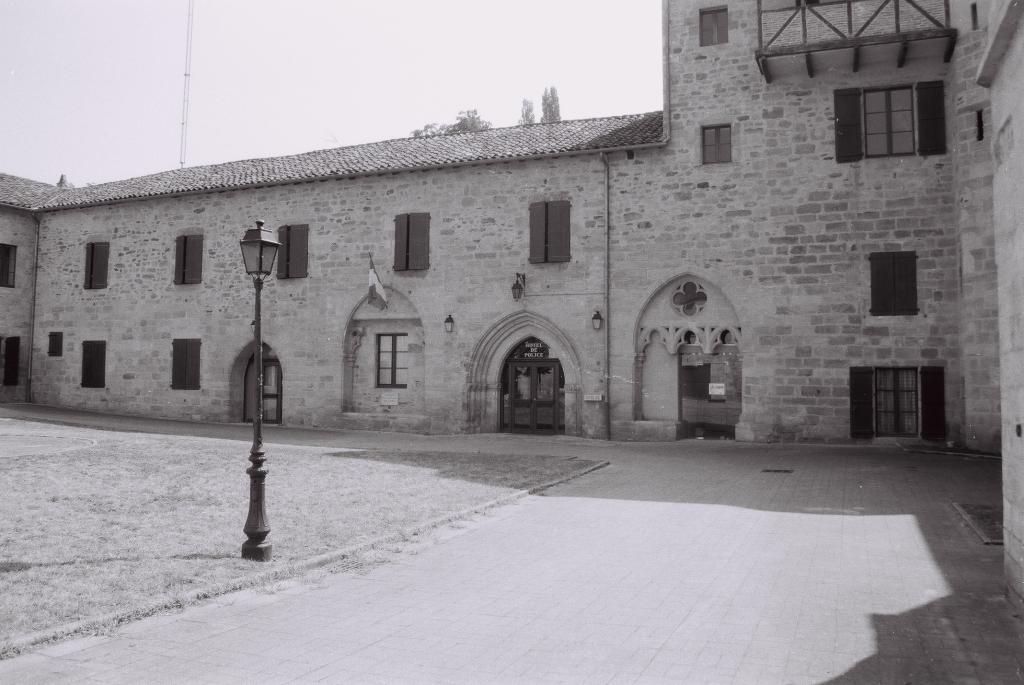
[
  {"x": 716, "y": 38},
  {"x": 717, "y": 145},
  {"x": 394, "y": 367},
  {"x": 898, "y": 410},
  {"x": 8, "y": 264},
  {"x": 889, "y": 112}
]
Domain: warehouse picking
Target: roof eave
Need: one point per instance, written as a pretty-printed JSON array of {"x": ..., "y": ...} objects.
[{"x": 361, "y": 174}]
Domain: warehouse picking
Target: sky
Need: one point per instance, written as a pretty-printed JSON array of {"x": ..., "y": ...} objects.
[{"x": 93, "y": 88}]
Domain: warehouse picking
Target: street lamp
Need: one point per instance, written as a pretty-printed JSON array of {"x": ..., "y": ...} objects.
[
  {"x": 258, "y": 252},
  {"x": 519, "y": 286}
]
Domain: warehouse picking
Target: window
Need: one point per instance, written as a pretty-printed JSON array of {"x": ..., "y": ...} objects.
[
  {"x": 188, "y": 259},
  {"x": 549, "y": 231},
  {"x": 56, "y": 348},
  {"x": 412, "y": 242},
  {"x": 888, "y": 122},
  {"x": 7, "y": 254},
  {"x": 96, "y": 256},
  {"x": 293, "y": 255},
  {"x": 185, "y": 363},
  {"x": 716, "y": 144},
  {"x": 893, "y": 283},
  {"x": 895, "y": 401},
  {"x": 392, "y": 360},
  {"x": 881, "y": 122},
  {"x": 898, "y": 401},
  {"x": 94, "y": 363},
  {"x": 12, "y": 360},
  {"x": 714, "y": 26}
]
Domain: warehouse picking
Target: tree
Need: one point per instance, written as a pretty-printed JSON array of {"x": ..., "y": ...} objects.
[
  {"x": 466, "y": 122},
  {"x": 550, "y": 111},
  {"x": 526, "y": 115}
]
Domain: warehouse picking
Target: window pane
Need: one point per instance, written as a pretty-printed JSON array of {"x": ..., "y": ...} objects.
[
  {"x": 876, "y": 123},
  {"x": 709, "y": 136},
  {"x": 723, "y": 26},
  {"x": 725, "y": 153},
  {"x": 884, "y": 379},
  {"x": 402, "y": 343},
  {"x": 384, "y": 377},
  {"x": 384, "y": 361},
  {"x": 385, "y": 343},
  {"x": 270, "y": 378},
  {"x": 270, "y": 408},
  {"x": 545, "y": 384},
  {"x": 900, "y": 99},
  {"x": 877, "y": 145},
  {"x": 725, "y": 135},
  {"x": 710, "y": 154},
  {"x": 401, "y": 377},
  {"x": 874, "y": 101},
  {"x": 707, "y": 29},
  {"x": 521, "y": 383},
  {"x": 902, "y": 121},
  {"x": 902, "y": 143}
]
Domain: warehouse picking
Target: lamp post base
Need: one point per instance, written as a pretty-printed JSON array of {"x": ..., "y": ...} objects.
[{"x": 257, "y": 551}]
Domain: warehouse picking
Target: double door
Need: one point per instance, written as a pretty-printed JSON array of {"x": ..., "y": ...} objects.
[{"x": 531, "y": 390}]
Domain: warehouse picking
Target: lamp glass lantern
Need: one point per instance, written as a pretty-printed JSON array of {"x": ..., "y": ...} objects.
[
  {"x": 449, "y": 324},
  {"x": 518, "y": 287},
  {"x": 596, "y": 320},
  {"x": 259, "y": 249}
]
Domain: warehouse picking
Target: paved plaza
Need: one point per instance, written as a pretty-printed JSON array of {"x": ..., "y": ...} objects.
[{"x": 691, "y": 562}]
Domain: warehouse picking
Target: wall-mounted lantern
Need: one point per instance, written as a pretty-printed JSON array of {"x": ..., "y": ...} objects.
[
  {"x": 519, "y": 287},
  {"x": 596, "y": 320},
  {"x": 449, "y": 324}
]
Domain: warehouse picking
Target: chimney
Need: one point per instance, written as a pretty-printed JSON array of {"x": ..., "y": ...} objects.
[{"x": 64, "y": 182}]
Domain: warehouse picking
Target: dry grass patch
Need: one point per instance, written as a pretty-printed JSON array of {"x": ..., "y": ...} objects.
[{"x": 96, "y": 522}]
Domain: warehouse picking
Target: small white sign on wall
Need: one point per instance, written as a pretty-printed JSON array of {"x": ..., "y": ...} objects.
[
  {"x": 716, "y": 391},
  {"x": 593, "y": 398},
  {"x": 389, "y": 399}
]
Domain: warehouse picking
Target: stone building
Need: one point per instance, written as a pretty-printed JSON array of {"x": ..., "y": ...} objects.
[
  {"x": 1002, "y": 70},
  {"x": 798, "y": 247}
]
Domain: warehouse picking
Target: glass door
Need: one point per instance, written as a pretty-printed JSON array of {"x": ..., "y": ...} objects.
[
  {"x": 531, "y": 392},
  {"x": 272, "y": 387}
]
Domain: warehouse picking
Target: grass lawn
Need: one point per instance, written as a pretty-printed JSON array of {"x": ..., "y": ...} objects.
[{"x": 95, "y": 522}]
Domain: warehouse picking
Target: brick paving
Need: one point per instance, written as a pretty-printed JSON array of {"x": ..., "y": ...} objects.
[{"x": 678, "y": 563}]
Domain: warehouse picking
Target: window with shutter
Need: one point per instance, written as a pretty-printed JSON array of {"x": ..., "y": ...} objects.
[
  {"x": 392, "y": 362},
  {"x": 893, "y": 283},
  {"x": 188, "y": 259},
  {"x": 293, "y": 255},
  {"x": 96, "y": 258},
  {"x": 401, "y": 242},
  {"x": 419, "y": 241},
  {"x": 12, "y": 360},
  {"x": 888, "y": 122},
  {"x": 185, "y": 363},
  {"x": 848, "y": 129},
  {"x": 931, "y": 118},
  {"x": 895, "y": 401},
  {"x": 550, "y": 232},
  {"x": 56, "y": 345},
  {"x": 94, "y": 362},
  {"x": 7, "y": 263},
  {"x": 714, "y": 26}
]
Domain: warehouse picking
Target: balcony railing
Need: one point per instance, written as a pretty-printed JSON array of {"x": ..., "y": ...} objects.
[{"x": 816, "y": 26}]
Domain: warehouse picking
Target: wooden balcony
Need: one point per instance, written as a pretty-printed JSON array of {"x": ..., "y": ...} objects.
[{"x": 850, "y": 34}]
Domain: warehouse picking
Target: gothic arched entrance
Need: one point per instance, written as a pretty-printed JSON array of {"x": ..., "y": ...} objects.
[{"x": 532, "y": 390}]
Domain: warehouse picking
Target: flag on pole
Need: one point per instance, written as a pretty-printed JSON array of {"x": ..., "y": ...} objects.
[{"x": 377, "y": 296}]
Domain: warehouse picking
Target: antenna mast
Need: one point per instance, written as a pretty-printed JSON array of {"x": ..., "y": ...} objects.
[{"x": 188, "y": 74}]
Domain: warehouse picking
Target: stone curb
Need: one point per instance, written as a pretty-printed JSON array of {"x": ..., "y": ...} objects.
[{"x": 18, "y": 645}]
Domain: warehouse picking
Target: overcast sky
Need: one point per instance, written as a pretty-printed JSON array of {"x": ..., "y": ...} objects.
[{"x": 93, "y": 88}]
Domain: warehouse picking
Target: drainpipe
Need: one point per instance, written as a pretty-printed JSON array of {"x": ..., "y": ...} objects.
[
  {"x": 607, "y": 298},
  {"x": 32, "y": 312}
]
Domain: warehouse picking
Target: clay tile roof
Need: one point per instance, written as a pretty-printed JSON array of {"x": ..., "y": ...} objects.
[
  {"x": 25, "y": 193},
  {"x": 391, "y": 155}
]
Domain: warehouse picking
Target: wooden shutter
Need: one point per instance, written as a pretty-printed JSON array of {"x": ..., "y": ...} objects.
[
  {"x": 12, "y": 360},
  {"x": 931, "y": 118},
  {"x": 179, "y": 359},
  {"x": 7, "y": 259},
  {"x": 862, "y": 402},
  {"x": 904, "y": 280},
  {"x": 419, "y": 241},
  {"x": 192, "y": 364},
  {"x": 88, "y": 265},
  {"x": 100, "y": 257},
  {"x": 179, "y": 259},
  {"x": 881, "y": 283},
  {"x": 193, "y": 259},
  {"x": 56, "y": 348},
  {"x": 298, "y": 251},
  {"x": 538, "y": 232},
  {"x": 401, "y": 242},
  {"x": 848, "y": 125},
  {"x": 933, "y": 403},
  {"x": 94, "y": 361},
  {"x": 558, "y": 231},
  {"x": 722, "y": 17},
  {"x": 283, "y": 234}
]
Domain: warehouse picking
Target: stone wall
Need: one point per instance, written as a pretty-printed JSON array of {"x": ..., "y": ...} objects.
[{"x": 18, "y": 229}]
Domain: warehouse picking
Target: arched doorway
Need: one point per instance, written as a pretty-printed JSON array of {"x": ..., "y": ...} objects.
[
  {"x": 273, "y": 388},
  {"x": 532, "y": 390},
  {"x": 688, "y": 360}
]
